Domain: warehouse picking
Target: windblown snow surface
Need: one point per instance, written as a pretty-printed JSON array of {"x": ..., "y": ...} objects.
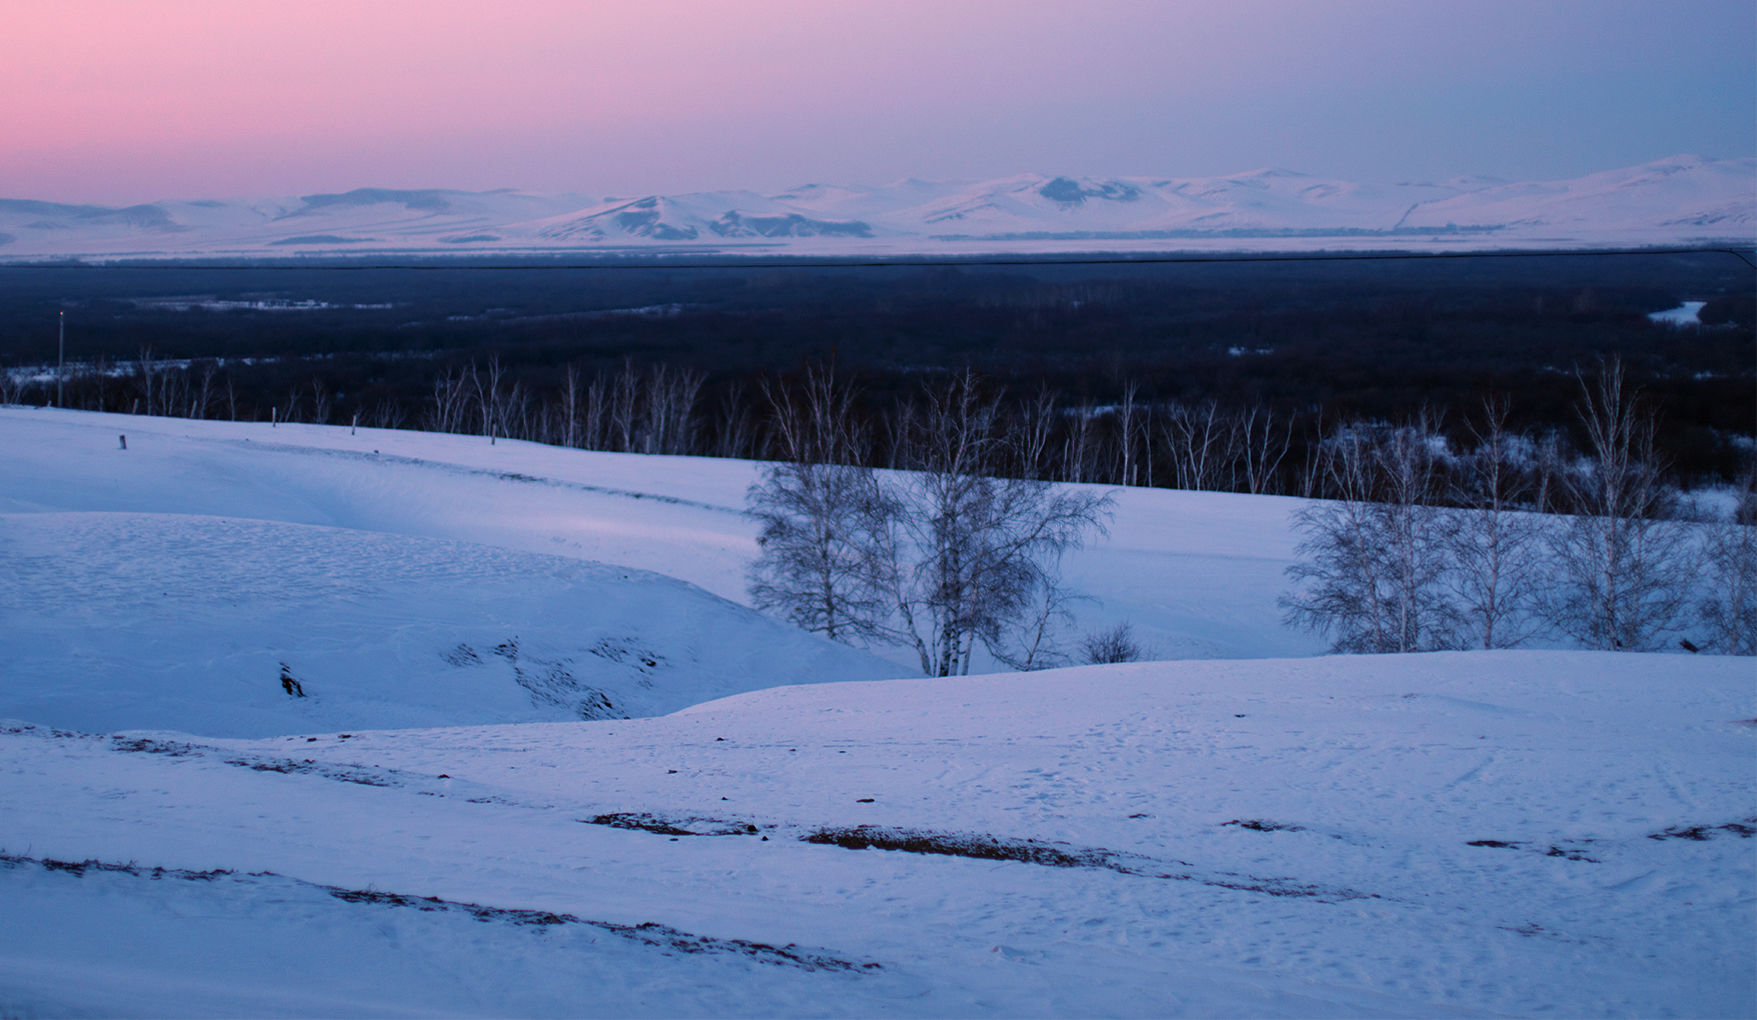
[{"x": 478, "y": 809}]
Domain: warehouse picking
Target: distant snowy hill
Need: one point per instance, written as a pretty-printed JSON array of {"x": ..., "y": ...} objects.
[{"x": 1682, "y": 199}]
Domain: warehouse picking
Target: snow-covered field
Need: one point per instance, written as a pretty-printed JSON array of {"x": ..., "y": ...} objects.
[{"x": 1244, "y": 828}]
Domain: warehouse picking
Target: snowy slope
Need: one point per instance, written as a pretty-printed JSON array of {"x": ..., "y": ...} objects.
[
  {"x": 167, "y": 585},
  {"x": 1682, "y": 199},
  {"x": 172, "y": 621},
  {"x": 1464, "y": 834},
  {"x": 462, "y": 535},
  {"x": 1451, "y": 834}
]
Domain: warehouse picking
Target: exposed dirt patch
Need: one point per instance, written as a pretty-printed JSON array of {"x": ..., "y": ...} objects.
[
  {"x": 361, "y": 774},
  {"x": 657, "y": 936},
  {"x": 1702, "y": 833},
  {"x": 364, "y": 775},
  {"x": 147, "y": 745},
  {"x": 982, "y": 846},
  {"x": 1570, "y": 852},
  {"x": 35, "y": 730},
  {"x": 81, "y": 867},
  {"x": 625, "y": 652},
  {"x": 1263, "y": 825},
  {"x": 690, "y": 826},
  {"x": 551, "y": 682},
  {"x": 648, "y": 933}
]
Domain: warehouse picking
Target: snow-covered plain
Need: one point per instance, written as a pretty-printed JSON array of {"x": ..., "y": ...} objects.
[
  {"x": 1679, "y": 200},
  {"x": 1247, "y": 829}
]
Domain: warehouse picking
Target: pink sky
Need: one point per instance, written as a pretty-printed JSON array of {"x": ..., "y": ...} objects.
[{"x": 117, "y": 101}]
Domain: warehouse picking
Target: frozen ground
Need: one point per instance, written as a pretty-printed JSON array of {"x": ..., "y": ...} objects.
[{"x": 1533, "y": 833}]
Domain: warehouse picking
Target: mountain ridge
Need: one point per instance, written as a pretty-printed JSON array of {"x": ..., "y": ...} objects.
[{"x": 1677, "y": 200}]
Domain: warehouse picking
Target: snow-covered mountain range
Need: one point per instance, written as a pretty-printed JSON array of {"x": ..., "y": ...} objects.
[{"x": 1679, "y": 200}]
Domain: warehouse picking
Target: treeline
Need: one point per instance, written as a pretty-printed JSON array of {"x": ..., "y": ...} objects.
[{"x": 1136, "y": 439}]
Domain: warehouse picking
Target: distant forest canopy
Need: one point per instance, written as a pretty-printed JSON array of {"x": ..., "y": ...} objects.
[{"x": 1114, "y": 349}]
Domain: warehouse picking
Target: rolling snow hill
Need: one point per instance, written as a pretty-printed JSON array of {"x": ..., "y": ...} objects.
[
  {"x": 1526, "y": 833},
  {"x": 188, "y": 622},
  {"x": 1460, "y": 834},
  {"x": 413, "y": 579},
  {"x": 169, "y": 586},
  {"x": 1680, "y": 200}
]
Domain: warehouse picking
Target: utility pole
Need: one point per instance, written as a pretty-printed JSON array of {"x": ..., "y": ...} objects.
[{"x": 61, "y": 360}]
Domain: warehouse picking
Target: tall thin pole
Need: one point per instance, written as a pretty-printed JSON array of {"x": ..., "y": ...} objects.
[{"x": 61, "y": 360}]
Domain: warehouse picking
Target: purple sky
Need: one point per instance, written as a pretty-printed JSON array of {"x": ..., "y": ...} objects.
[{"x": 132, "y": 100}]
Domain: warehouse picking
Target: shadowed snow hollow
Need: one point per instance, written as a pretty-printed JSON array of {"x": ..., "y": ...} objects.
[{"x": 228, "y": 627}]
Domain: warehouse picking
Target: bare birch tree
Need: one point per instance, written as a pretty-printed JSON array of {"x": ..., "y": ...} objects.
[
  {"x": 815, "y": 549},
  {"x": 1198, "y": 440},
  {"x": 1491, "y": 537},
  {"x": 1037, "y": 418},
  {"x": 733, "y": 439},
  {"x": 320, "y": 402},
  {"x": 569, "y": 411},
  {"x": 963, "y": 552},
  {"x": 1728, "y": 610},
  {"x": 941, "y": 557},
  {"x": 1127, "y": 415},
  {"x": 1261, "y": 444},
  {"x": 148, "y": 370},
  {"x": 1373, "y": 561},
  {"x": 1621, "y": 570}
]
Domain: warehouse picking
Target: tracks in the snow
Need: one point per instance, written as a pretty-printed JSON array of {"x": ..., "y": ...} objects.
[{"x": 968, "y": 845}]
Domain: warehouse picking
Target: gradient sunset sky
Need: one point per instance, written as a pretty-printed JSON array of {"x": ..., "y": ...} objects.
[{"x": 116, "y": 101}]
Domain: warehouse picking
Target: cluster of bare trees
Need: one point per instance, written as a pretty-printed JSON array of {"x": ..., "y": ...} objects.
[
  {"x": 1133, "y": 442},
  {"x": 637, "y": 409},
  {"x": 196, "y": 388},
  {"x": 633, "y": 410},
  {"x": 655, "y": 408},
  {"x": 1042, "y": 436},
  {"x": 192, "y": 388},
  {"x": 1727, "y": 605},
  {"x": 1410, "y": 557},
  {"x": 942, "y": 557}
]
